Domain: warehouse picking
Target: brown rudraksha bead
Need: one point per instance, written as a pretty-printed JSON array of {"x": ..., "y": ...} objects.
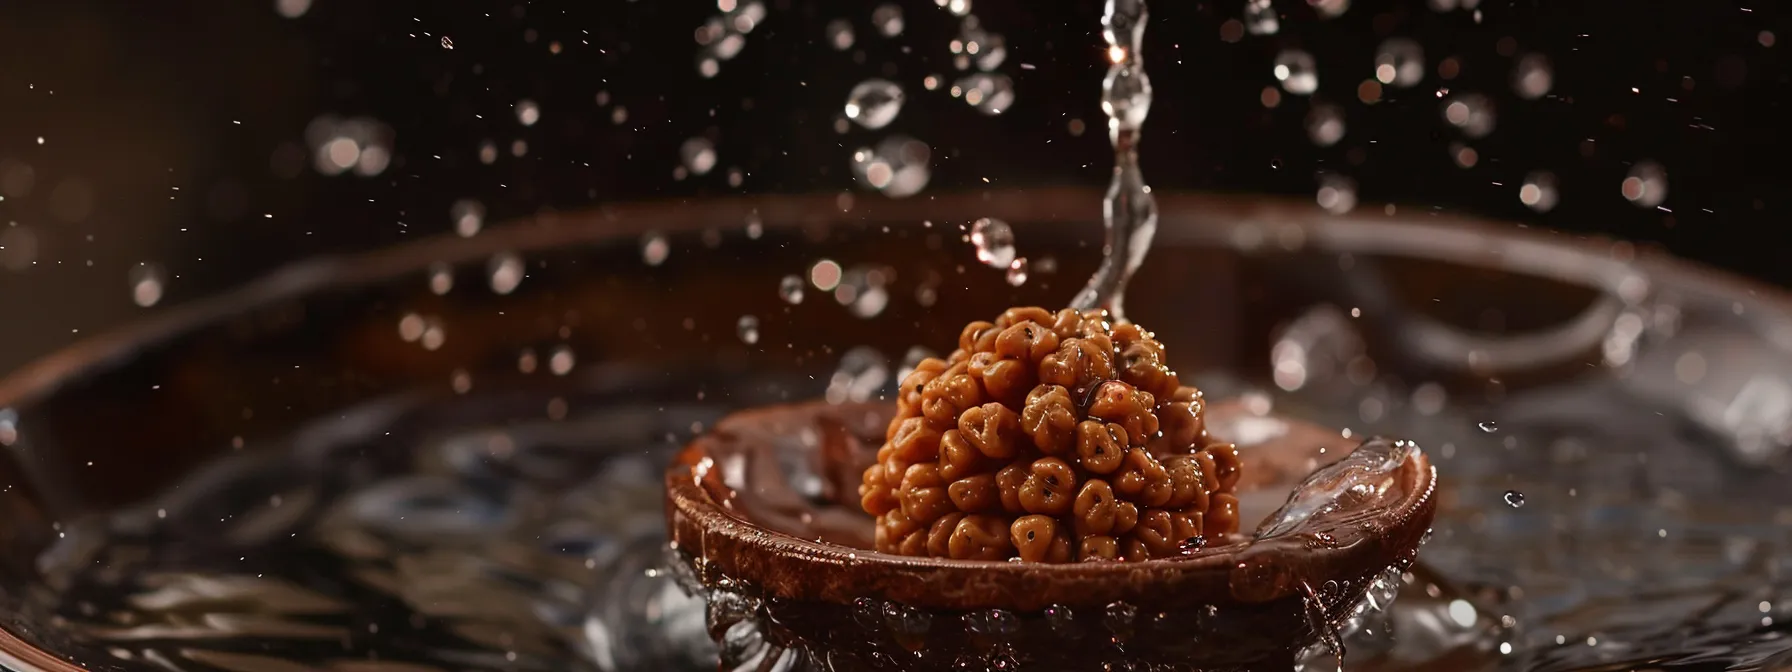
[{"x": 1050, "y": 437}]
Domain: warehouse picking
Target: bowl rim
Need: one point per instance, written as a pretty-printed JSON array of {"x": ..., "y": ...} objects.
[
  {"x": 794, "y": 568},
  {"x": 1185, "y": 217}
]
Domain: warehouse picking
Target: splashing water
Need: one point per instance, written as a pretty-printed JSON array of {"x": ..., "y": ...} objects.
[
  {"x": 1532, "y": 77},
  {"x": 899, "y": 166},
  {"x": 790, "y": 289},
  {"x": 1017, "y": 272},
  {"x": 1539, "y": 191},
  {"x": 698, "y": 155},
  {"x": 1646, "y": 185},
  {"x": 1297, "y": 72},
  {"x": 888, "y": 19},
  {"x": 862, "y": 372},
  {"x": 147, "y": 281},
  {"x": 1129, "y": 211},
  {"x": 862, "y": 290},
  {"x": 748, "y": 329},
  {"x": 1260, "y": 17},
  {"x": 527, "y": 112},
  {"x": 840, "y": 35},
  {"x": 655, "y": 248},
  {"x": 994, "y": 241},
  {"x": 468, "y": 216},
  {"x": 506, "y": 272},
  {"x": 1325, "y": 124},
  {"x": 988, "y": 93},
  {"x": 874, "y": 103},
  {"x": 1337, "y": 193},
  {"x": 1471, "y": 112},
  {"x": 1399, "y": 62},
  {"x": 1341, "y": 485}
]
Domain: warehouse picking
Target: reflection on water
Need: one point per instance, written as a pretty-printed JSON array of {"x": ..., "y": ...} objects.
[
  {"x": 422, "y": 535},
  {"x": 385, "y": 541}
]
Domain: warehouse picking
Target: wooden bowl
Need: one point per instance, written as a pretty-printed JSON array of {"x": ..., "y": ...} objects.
[{"x": 764, "y": 512}]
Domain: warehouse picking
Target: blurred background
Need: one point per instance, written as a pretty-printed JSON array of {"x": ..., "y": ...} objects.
[{"x": 154, "y": 152}]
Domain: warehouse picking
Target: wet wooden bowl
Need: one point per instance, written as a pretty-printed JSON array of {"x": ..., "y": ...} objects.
[{"x": 763, "y": 510}]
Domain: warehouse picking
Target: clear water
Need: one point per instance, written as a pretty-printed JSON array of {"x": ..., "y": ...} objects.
[
  {"x": 498, "y": 530},
  {"x": 1128, "y": 210},
  {"x": 1585, "y": 527}
]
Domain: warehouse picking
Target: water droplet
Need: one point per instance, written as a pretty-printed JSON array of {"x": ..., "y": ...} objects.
[
  {"x": 341, "y": 145},
  {"x": 1192, "y": 544},
  {"x": 1126, "y": 97},
  {"x": 1489, "y": 426},
  {"x": 957, "y": 7},
  {"x": 1539, "y": 191},
  {"x": 746, "y": 16},
  {"x": 1123, "y": 22},
  {"x": 468, "y": 216},
  {"x": 1337, "y": 193},
  {"x": 506, "y": 271},
  {"x": 1514, "y": 498},
  {"x": 1399, "y": 62},
  {"x": 989, "y": 93},
  {"x": 1471, "y": 112},
  {"x": 1330, "y": 488},
  {"x": 1533, "y": 77},
  {"x": 825, "y": 275},
  {"x": 1119, "y": 617},
  {"x": 791, "y": 289},
  {"x": 1017, "y": 272},
  {"x": 146, "y": 284},
  {"x": 1260, "y": 17},
  {"x": 1325, "y": 124},
  {"x": 433, "y": 335},
  {"x": 528, "y": 112},
  {"x": 1296, "y": 71},
  {"x": 888, "y": 19},
  {"x": 748, "y": 329},
  {"x": 912, "y": 359},
  {"x": 862, "y": 291},
  {"x": 898, "y": 167},
  {"x": 410, "y": 327},
  {"x": 874, "y": 103},
  {"x": 1464, "y": 155},
  {"x": 985, "y": 49},
  {"x": 561, "y": 361},
  {"x": 1646, "y": 185},
  {"x": 698, "y": 154},
  {"x": 441, "y": 278},
  {"x": 862, "y": 372},
  {"x": 994, "y": 241},
  {"x": 839, "y": 32},
  {"x": 1328, "y": 9},
  {"x": 655, "y": 248},
  {"x": 292, "y": 9}
]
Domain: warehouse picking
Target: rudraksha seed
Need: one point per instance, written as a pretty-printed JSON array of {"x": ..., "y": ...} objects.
[{"x": 1050, "y": 437}]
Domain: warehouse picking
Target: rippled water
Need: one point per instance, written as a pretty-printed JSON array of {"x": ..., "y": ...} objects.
[
  {"x": 417, "y": 537},
  {"x": 481, "y": 533}
]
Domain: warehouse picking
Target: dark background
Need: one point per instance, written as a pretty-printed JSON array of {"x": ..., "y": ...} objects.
[{"x": 173, "y": 132}]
